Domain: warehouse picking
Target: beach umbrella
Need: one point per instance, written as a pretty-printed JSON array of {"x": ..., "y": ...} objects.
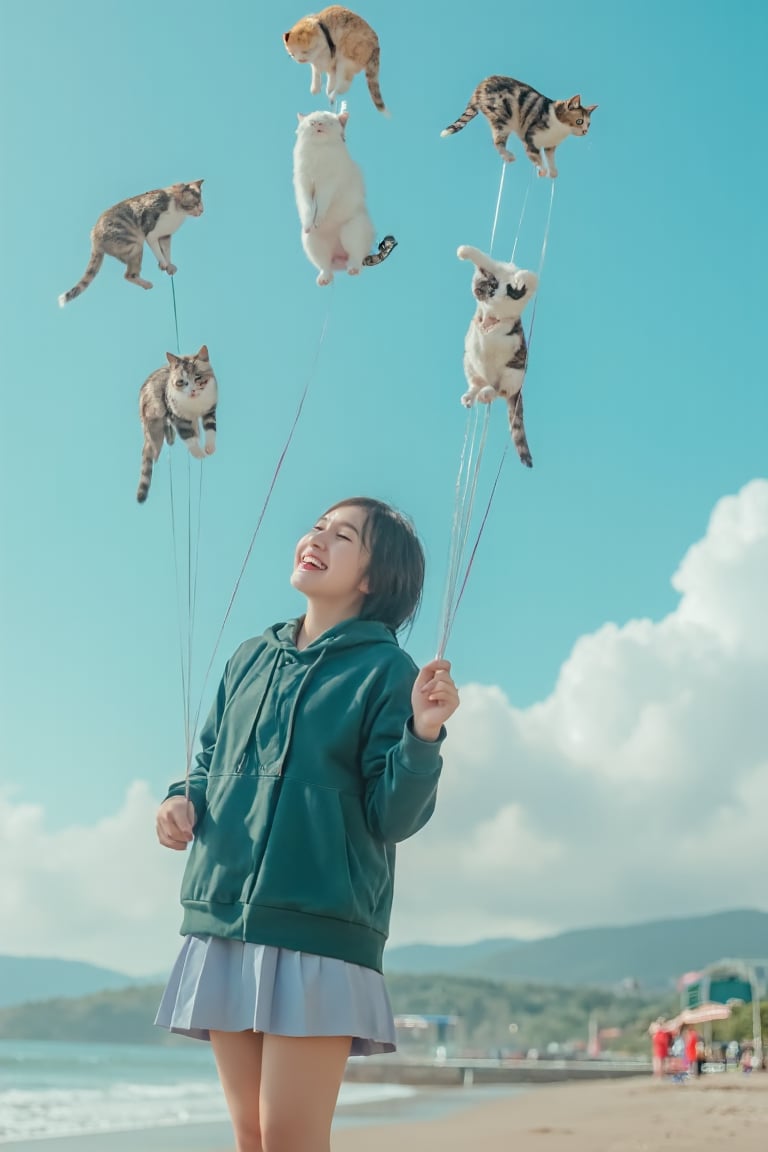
[{"x": 704, "y": 1013}]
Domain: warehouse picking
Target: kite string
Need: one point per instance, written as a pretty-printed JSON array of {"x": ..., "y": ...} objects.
[
  {"x": 184, "y": 649},
  {"x": 466, "y": 488},
  {"x": 459, "y": 504},
  {"x": 498, "y": 206},
  {"x": 241, "y": 573},
  {"x": 186, "y": 628}
]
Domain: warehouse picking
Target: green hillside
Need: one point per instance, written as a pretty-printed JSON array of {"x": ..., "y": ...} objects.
[{"x": 540, "y": 1014}]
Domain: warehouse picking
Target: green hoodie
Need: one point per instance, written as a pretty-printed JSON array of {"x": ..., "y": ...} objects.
[{"x": 309, "y": 773}]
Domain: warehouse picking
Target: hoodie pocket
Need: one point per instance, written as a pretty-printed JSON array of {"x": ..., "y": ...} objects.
[
  {"x": 230, "y": 840},
  {"x": 307, "y": 865}
]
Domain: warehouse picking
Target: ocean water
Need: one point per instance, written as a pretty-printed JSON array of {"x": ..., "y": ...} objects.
[{"x": 49, "y": 1089}]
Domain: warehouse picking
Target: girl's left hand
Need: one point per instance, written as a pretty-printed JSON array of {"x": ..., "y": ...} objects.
[{"x": 434, "y": 699}]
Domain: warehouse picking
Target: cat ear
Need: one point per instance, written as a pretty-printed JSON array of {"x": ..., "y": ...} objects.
[
  {"x": 591, "y": 108},
  {"x": 300, "y": 116},
  {"x": 203, "y": 353},
  {"x": 574, "y": 103},
  {"x": 285, "y": 37},
  {"x": 171, "y": 358},
  {"x": 344, "y": 116}
]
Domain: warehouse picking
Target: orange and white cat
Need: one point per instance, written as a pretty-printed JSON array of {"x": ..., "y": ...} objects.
[{"x": 340, "y": 43}]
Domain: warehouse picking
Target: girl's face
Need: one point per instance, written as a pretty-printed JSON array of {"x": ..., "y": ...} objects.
[{"x": 331, "y": 561}]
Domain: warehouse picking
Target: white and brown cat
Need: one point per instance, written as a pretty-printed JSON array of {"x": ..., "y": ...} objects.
[
  {"x": 495, "y": 350},
  {"x": 177, "y": 398},
  {"x": 540, "y": 123},
  {"x": 336, "y": 230},
  {"x": 340, "y": 43},
  {"x": 123, "y": 230}
]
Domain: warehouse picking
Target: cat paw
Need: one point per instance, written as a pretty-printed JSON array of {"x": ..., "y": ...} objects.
[
  {"x": 486, "y": 395},
  {"x": 209, "y": 449},
  {"x": 171, "y": 269},
  {"x": 508, "y": 156},
  {"x": 353, "y": 271},
  {"x": 195, "y": 450},
  {"x": 146, "y": 284},
  {"x": 324, "y": 278},
  {"x": 468, "y": 399}
]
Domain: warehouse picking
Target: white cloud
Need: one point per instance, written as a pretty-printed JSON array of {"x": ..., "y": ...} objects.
[
  {"x": 638, "y": 789},
  {"x": 106, "y": 893}
]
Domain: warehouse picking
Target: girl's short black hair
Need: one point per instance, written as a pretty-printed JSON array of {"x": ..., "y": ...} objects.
[{"x": 396, "y": 565}]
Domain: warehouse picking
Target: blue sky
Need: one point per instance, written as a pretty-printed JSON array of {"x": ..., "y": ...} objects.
[{"x": 645, "y": 397}]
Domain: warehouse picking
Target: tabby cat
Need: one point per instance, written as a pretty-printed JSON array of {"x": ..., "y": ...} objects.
[
  {"x": 340, "y": 43},
  {"x": 122, "y": 230},
  {"x": 174, "y": 399},
  {"x": 511, "y": 106},
  {"x": 336, "y": 230},
  {"x": 495, "y": 351}
]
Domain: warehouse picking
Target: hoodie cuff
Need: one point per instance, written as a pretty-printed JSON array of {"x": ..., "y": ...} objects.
[{"x": 421, "y": 755}]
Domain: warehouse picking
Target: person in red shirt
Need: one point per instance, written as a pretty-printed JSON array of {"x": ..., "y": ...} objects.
[
  {"x": 692, "y": 1050},
  {"x": 660, "y": 1041}
]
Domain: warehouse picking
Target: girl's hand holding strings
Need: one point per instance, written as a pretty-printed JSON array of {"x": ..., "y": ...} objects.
[
  {"x": 434, "y": 699},
  {"x": 175, "y": 823}
]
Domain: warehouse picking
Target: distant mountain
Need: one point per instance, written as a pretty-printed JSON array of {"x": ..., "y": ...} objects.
[
  {"x": 444, "y": 957},
  {"x": 654, "y": 954},
  {"x": 27, "y": 978}
]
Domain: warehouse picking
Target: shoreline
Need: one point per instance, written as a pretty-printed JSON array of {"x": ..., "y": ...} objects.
[
  {"x": 730, "y": 1110},
  {"x": 420, "y": 1108}
]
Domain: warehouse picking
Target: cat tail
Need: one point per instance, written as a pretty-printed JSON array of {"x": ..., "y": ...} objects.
[
  {"x": 517, "y": 428},
  {"x": 95, "y": 262},
  {"x": 372, "y": 76},
  {"x": 468, "y": 114},
  {"x": 147, "y": 464},
  {"x": 387, "y": 246}
]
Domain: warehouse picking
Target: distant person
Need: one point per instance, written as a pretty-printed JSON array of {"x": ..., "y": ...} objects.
[
  {"x": 693, "y": 1057},
  {"x": 660, "y": 1045},
  {"x": 321, "y": 752}
]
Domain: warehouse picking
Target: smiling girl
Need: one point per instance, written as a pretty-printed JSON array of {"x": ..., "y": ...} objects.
[{"x": 320, "y": 753}]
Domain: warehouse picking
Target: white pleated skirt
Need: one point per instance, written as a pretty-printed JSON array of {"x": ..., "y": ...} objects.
[{"x": 232, "y": 986}]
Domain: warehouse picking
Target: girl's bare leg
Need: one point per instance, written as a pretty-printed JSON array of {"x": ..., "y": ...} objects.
[
  {"x": 238, "y": 1059},
  {"x": 300, "y": 1081},
  {"x": 281, "y": 1091}
]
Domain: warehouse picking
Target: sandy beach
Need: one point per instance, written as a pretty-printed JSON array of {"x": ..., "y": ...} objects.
[
  {"x": 617, "y": 1116},
  {"x": 609, "y": 1116}
]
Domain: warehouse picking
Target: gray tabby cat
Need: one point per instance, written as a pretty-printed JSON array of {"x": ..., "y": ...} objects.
[
  {"x": 174, "y": 399},
  {"x": 122, "y": 230},
  {"x": 495, "y": 350},
  {"x": 511, "y": 106}
]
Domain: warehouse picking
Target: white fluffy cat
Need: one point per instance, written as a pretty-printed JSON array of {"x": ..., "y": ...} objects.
[
  {"x": 336, "y": 230},
  {"x": 495, "y": 351}
]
